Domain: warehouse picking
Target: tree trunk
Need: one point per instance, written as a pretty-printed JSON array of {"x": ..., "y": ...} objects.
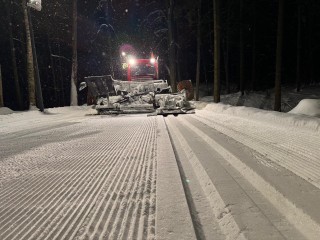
[
  {"x": 277, "y": 94},
  {"x": 13, "y": 58},
  {"x": 62, "y": 99},
  {"x": 310, "y": 37},
  {"x": 1, "y": 90},
  {"x": 216, "y": 18},
  {"x": 254, "y": 46},
  {"x": 226, "y": 49},
  {"x": 198, "y": 50},
  {"x": 178, "y": 54},
  {"x": 55, "y": 87},
  {"x": 30, "y": 63},
  {"x": 241, "y": 42},
  {"x": 39, "y": 98},
  {"x": 73, "y": 93},
  {"x": 172, "y": 46},
  {"x": 110, "y": 56},
  {"x": 298, "y": 73}
]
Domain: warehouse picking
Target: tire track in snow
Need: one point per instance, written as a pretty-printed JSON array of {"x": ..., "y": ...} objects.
[{"x": 65, "y": 213}]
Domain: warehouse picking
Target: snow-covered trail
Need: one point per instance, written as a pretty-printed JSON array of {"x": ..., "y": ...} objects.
[
  {"x": 73, "y": 175},
  {"x": 95, "y": 179},
  {"x": 260, "y": 181},
  {"x": 70, "y": 174}
]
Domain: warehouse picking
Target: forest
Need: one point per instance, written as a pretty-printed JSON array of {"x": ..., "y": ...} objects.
[{"x": 222, "y": 46}]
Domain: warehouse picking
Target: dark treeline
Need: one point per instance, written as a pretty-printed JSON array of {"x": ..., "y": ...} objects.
[{"x": 171, "y": 29}]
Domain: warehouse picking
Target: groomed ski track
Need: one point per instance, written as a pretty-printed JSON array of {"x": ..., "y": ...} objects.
[
  {"x": 97, "y": 183},
  {"x": 200, "y": 176},
  {"x": 260, "y": 181}
]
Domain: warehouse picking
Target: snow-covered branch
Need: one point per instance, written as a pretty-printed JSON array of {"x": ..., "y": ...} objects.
[{"x": 57, "y": 56}]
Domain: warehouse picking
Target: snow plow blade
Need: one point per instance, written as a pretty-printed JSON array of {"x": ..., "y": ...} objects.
[
  {"x": 174, "y": 112},
  {"x": 103, "y": 110},
  {"x": 128, "y": 97}
]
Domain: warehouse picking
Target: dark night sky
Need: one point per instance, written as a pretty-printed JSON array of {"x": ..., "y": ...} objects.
[{"x": 53, "y": 27}]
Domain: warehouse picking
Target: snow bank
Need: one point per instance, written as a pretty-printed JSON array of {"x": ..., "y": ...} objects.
[
  {"x": 69, "y": 109},
  {"x": 36, "y": 112},
  {"x": 269, "y": 117},
  {"x": 5, "y": 111},
  {"x": 309, "y": 107}
]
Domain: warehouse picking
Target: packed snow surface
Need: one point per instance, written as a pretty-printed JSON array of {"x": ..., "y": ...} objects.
[{"x": 225, "y": 172}]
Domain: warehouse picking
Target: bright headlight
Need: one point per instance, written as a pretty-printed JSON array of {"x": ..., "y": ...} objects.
[
  {"x": 152, "y": 60},
  {"x": 132, "y": 61}
]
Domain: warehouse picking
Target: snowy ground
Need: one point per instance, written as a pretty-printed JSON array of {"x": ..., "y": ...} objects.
[{"x": 223, "y": 173}]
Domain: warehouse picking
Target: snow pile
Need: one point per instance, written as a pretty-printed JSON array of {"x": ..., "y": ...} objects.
[
  {"x": 261, "y": 100},
  {"x": 265, "y": 99},
  {"x": 269, "y": 117},
  {"x": 5, "y": 111},
  {"x": 309, "y": 107},
  {"x": 300, "y": 109},
  {"x": 36, "y": 113}
]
